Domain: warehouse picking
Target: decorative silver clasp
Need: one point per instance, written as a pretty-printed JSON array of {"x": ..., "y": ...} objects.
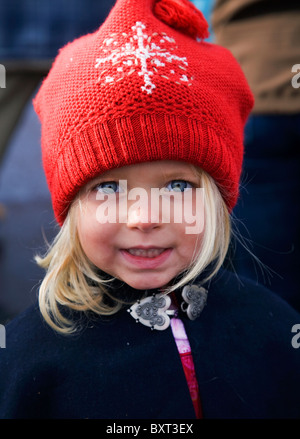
[
  {"x": 153, "y": 311},
  {"x": 195, "y": 299}
]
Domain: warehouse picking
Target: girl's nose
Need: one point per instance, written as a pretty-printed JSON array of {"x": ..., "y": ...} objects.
[{"x": 142, "y": 217}]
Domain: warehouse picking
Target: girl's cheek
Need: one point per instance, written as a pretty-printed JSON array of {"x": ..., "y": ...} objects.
[
  {"x": 87, "y": 208},
  {"x": 86, "y": 222}
]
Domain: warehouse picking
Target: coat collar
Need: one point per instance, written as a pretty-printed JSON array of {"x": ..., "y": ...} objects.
[{"x": 153, "y": 308}]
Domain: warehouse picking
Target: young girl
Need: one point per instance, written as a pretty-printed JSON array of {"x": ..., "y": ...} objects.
[{"x": 142, "y": 132}]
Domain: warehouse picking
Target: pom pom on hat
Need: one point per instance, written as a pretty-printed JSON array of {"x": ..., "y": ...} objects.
[
  {"x": 143, "y": 87},
  {"x": 183, "y": 16}
]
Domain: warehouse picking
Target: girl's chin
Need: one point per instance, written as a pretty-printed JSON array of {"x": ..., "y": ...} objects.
[{"x": 142, "y": 285}]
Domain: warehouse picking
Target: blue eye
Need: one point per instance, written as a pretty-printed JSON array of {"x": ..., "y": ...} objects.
[
  {"x": 178, "y": 185},
  {"x": 108, "y": 187}
]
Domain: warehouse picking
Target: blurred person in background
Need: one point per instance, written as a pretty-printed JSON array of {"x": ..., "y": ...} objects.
[
  {"x": 264, "y": 36},
  {"x": 31, "y": 32}
]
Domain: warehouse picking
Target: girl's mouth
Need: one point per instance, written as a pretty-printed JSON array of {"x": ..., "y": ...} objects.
[
  {"x": 149, "y": 258},
  {"x": 146, "y": 253}
]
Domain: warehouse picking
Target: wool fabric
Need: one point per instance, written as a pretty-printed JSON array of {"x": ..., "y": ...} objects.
[{"x": 145, "y": 86}]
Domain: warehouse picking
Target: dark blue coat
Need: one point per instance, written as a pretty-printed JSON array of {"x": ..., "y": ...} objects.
[{"x": 116, "y": 368}]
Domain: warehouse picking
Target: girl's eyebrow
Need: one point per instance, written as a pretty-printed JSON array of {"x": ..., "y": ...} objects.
[
  {"x": 164, "y": 175},
  {"x": 167, "y": 175},
  {"x": 179, "y": 175},
  {"x": 111, "y": 176}
]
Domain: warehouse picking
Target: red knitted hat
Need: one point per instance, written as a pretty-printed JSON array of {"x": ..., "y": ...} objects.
[{"x": 143, "y": 87}]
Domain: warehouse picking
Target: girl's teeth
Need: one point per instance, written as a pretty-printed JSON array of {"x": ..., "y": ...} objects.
[{"x": 151, "y": 253}]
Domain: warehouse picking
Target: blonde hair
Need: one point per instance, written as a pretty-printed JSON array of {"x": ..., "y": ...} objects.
[{"x": 72, "y": 280}]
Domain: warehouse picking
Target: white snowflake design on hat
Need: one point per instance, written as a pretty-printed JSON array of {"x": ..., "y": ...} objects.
[{"x": 144, "y": 55}]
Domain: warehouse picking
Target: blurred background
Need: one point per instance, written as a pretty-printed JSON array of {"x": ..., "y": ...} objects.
[{"x": 32, "y": 31}]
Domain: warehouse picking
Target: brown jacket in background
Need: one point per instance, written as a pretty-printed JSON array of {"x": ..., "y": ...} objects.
[{"x": 264, "y": 36}]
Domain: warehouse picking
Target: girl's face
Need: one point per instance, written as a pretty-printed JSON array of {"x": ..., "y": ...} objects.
[{"x": 138, "y": 223}]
